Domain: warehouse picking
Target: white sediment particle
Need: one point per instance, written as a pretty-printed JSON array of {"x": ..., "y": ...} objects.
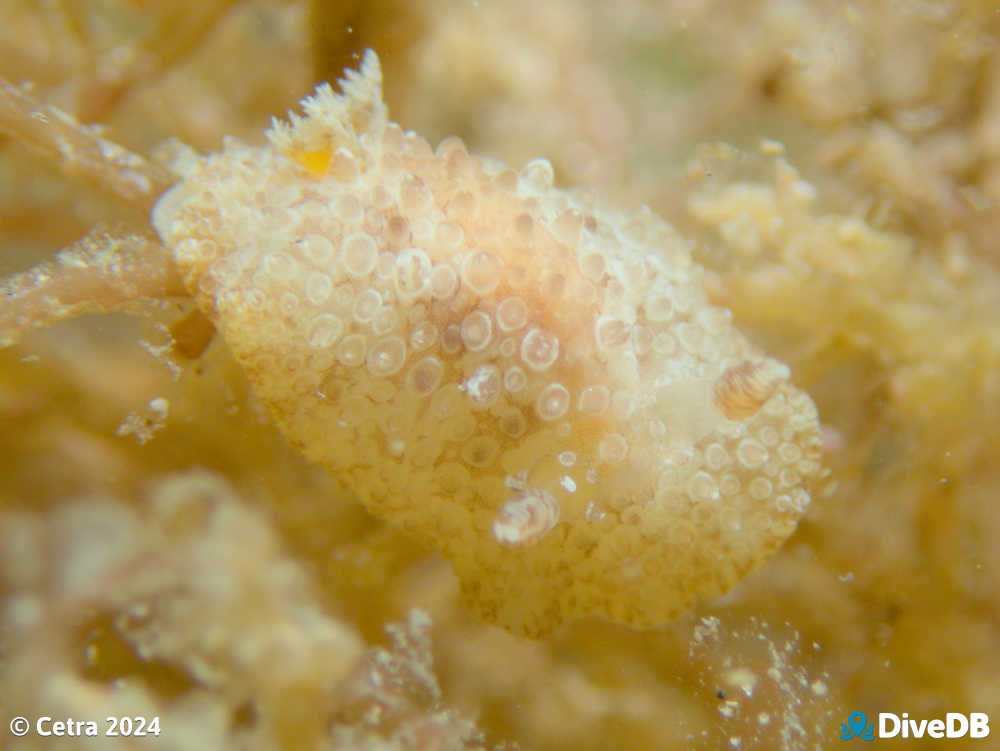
[
  {"x": 742, "y": 679},
  {"x": 483, "y": 386},
  {"x": 143, "y": 427},
  {"x": 159, "y": 406}
]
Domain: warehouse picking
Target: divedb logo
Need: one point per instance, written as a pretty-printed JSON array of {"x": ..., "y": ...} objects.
[{"x": 889, "y": 725}]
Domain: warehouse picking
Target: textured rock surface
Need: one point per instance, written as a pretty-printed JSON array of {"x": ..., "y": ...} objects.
[{"x": 522, "y": 377}]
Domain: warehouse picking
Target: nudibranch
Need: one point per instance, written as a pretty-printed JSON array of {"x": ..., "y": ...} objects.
[{"x": 522, "y": 377}]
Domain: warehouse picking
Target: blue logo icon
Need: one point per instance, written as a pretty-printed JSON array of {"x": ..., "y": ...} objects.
[{"x": 859, "y": 727}]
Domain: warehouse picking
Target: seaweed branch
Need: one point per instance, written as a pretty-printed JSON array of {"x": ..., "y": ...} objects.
[
  {"x": 101, "y": 273},
  {"x": 79, "y": 151}
]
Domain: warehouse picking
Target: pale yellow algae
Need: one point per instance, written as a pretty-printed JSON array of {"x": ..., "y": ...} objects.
[{"x": 520, "y": 376}]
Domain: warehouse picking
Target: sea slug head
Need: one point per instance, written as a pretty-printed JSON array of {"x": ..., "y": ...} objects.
[{"x": 522, "y": 377}]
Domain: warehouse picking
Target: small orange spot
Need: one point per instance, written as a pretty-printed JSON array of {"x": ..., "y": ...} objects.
[{"x": 314, "y": 161}]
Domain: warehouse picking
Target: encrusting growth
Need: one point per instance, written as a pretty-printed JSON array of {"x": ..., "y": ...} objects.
[{"x": 520, "y": 376}]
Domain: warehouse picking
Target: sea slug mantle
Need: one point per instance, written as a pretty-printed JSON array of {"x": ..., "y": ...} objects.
[{"x": 522, "y": 377}]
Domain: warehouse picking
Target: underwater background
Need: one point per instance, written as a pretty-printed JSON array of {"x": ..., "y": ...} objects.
[{"x": 163, "y": 551}]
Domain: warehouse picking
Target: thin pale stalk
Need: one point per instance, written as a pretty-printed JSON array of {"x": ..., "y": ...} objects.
[
  {"x": 101, "y": 273},
  {"x": 79, "y": 150},
  {"x": 179, "y": 30}
]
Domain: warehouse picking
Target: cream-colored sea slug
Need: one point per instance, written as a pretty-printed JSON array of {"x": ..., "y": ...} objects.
[{"x": 520, "y": 376}]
